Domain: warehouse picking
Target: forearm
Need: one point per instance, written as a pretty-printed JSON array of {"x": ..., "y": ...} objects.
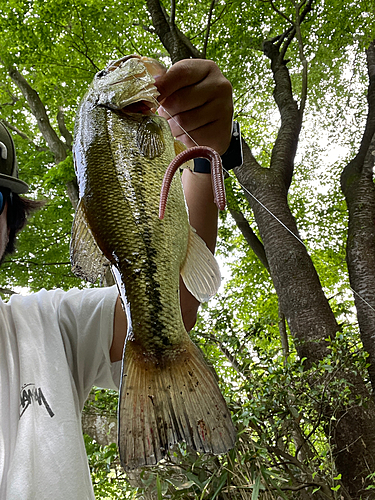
[
  {"x": 203, "y": 216},
  {"x": 203, "y": 213}
]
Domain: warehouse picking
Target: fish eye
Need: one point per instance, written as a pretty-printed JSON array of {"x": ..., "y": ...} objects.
[{"x": 101, "y": 73}]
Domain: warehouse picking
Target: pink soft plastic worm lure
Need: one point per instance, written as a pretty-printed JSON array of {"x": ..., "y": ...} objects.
[{"x": 216, "y": 175}]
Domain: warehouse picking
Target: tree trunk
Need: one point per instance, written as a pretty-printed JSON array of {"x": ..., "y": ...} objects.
[
  {"x": 311, "y": 322},
  {"x": 358, "y": 187},
  {"x": 100, "y": 427},
  {"x": 176, "y": 43},
  {"x": 309, "y": 316}
]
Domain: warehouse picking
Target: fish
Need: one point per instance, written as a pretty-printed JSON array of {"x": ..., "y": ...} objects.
[{"x": 122, "y": 151}]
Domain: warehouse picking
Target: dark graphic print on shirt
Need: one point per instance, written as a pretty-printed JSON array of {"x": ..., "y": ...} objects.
[{"x": 29, "y": 395}]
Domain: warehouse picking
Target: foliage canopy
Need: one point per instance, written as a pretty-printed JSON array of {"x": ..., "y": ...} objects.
[{"x": 283, "y": 411}]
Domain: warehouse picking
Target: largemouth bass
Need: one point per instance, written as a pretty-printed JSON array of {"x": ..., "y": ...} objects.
[{"x": 121, "y": 151}]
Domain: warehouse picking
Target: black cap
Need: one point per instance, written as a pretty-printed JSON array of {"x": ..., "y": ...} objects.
[{"x": 8, "y": 164}]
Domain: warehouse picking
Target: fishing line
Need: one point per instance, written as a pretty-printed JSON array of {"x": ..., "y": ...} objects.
[
  {"x": 269, "y": 211},
  {"x": 296, "y": 237},
  {"x": 247, "y": 191},
  {"x": 265, "y": 208},
  {"x": 364, "y": 300},
  {"x": 226, "y": 171},
  {"x": 291, "y": 232}
]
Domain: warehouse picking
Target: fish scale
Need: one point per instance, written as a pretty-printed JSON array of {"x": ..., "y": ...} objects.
[
  {"x": 149, "y": 268},
  {"x": 168, "y": 394}
]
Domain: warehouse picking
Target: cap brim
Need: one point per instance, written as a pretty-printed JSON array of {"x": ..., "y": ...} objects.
[{"x": 15, "y": 185}]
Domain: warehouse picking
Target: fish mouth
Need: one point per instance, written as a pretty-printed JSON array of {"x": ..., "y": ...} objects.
[{"x": 141, "y": 107}]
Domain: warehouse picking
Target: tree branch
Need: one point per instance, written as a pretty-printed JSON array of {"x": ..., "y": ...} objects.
[
  {"x": 7, "y": 291},
  {"x": 303, "y": 61},
  {"x": 176, "y": 43},
  {"x": 12, "y": 96},
  {"x": 293, "y": 460},
  {"x": 226, "y": 353},
  {"x": 204, "y": 52},
  {"x": 216, "y": 20},
  {"x": 285, "y": 147},
  {"x": 290, "y": 32},
  {"x": 281, "y": 14},
  {"x": 62, "y": 127},
  {"x": 57, "y": 147},
  {"x": 72, "y": 192},
  {"x": 82, "y": 39},
  {"x": 283, "y": 335},
  {"x": 251, "y": 238},
  {"x": 173, "y": 12},
  {"x": 356, "y": 165},
  {"x": 23, "y": 135}
]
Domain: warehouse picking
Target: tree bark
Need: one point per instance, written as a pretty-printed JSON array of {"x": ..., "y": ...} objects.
[
  {"x": 100, "y": 427},
  {"x": 176, "y": 43},
  {"x": 357, "y": 184}
]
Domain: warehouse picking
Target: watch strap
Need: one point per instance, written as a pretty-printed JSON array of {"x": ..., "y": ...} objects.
[{"x": 232, "y": 158}]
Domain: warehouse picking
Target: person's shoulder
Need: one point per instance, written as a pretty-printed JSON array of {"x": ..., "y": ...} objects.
[
  {"x": 57, "y": 295},
  {"x": 78, "y": 297}
]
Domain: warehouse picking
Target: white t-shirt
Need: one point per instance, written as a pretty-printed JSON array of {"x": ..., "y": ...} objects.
[{"x": 54, "y": 346}]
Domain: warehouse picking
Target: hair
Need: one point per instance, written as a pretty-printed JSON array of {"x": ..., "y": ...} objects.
[{"x": 18, "y": 211}]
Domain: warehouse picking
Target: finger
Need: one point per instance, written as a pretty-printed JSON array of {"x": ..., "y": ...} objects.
[
  {"x": 216, "y": 104},
  {"x": 186, "y": 98},
  {"x": 199, "y": 117},
  {"x": 214, "y": 119},
  {"x": 212, "y": 134},
  {"x": 184, "y": 73},
  {"x": 215, "y": 87}
]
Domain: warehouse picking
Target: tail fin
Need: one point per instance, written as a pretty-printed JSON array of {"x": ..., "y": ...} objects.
[{"x": 169, "y": 400}]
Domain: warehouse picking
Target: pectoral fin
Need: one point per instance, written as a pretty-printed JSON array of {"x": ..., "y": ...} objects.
[
  {"x": 150, "y": 139},
  {"x": 88, "y": 261},
  {"x": 200, "y": 271}
]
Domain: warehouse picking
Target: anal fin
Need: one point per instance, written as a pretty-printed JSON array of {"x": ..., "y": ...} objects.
[
  {"x": 168, "y": 400},
  {"x": 88, "y": 261}
]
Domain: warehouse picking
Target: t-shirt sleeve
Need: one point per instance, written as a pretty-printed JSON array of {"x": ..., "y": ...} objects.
[{"x": 86, "y": 324}]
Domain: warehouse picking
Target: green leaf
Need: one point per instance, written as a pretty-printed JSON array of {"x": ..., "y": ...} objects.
[
  {"x": 256, "y": 488},
  {"x": 223, "y": 480},
  {"x": 158, "y": 488}
]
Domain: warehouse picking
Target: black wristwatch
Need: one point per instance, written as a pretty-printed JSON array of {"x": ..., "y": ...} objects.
[{"x": 231, "y": 158}]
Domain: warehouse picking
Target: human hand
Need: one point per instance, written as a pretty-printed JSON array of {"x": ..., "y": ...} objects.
[{"x": 199, "y": 98}]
